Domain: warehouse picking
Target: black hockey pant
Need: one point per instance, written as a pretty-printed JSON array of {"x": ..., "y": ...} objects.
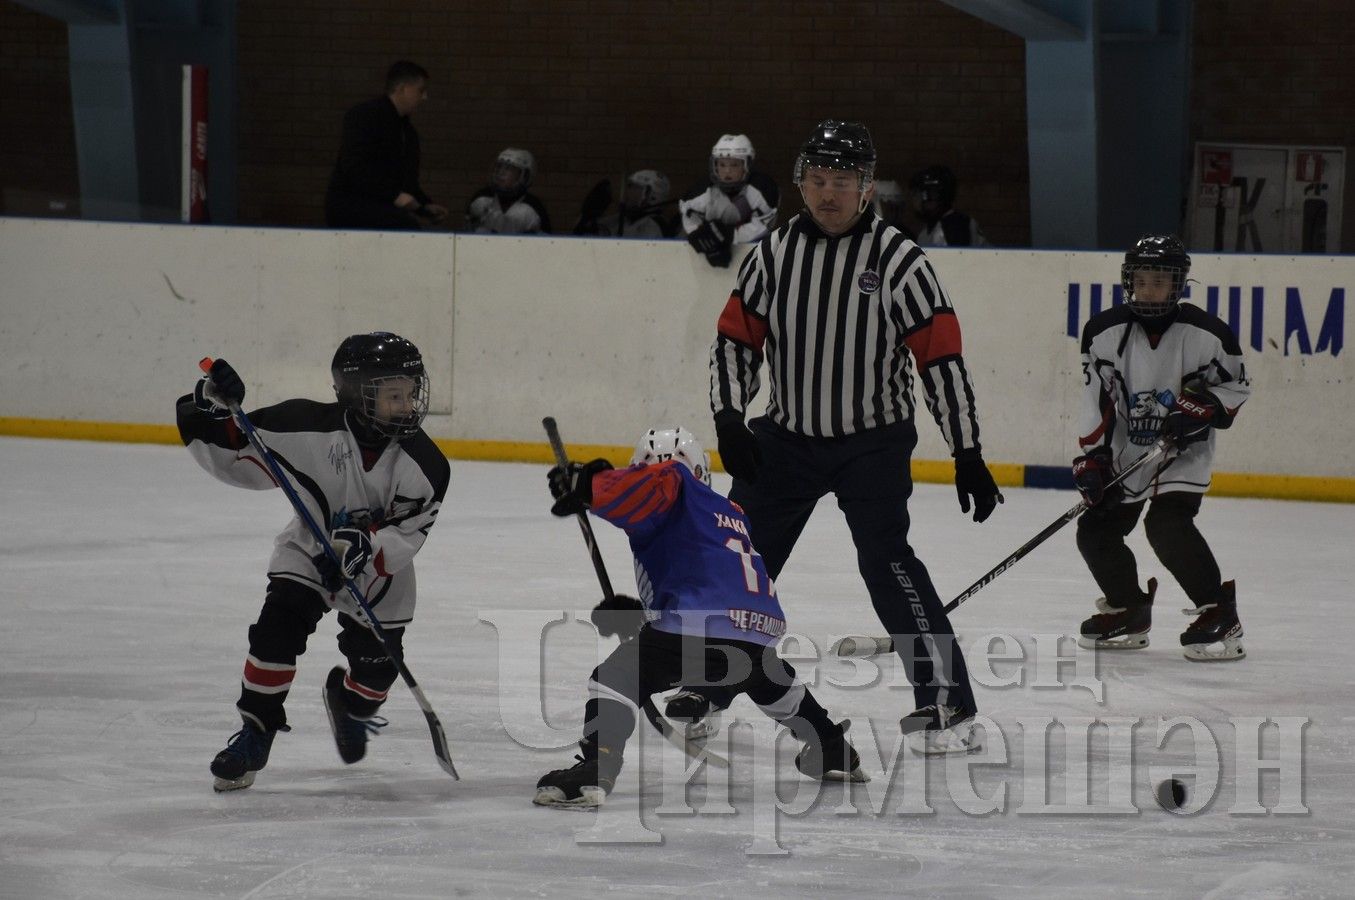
[
  {"x": 289, "y": 616},
  {"x": 1170, "y": 527},
  {"x": 657, "y": 661},
  {"x": 869, "y": 472}
]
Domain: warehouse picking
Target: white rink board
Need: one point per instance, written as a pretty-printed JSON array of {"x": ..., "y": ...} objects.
[{"x": 105, "y": 322}]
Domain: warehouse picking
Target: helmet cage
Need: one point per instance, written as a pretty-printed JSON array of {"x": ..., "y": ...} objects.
[
  {"x": 1152, "y": 309},
  {"x": 1155, "y": 254},
  {"x": 935, "y": 184},
  {"x": 654, "y": 187},
  {"x": 363, "y": 365},
  {"x": 369, "y": 389},
  {"x": 520, "y": 159},
  {"x": 662, "y": 444},
  {"x": 732, "y": 146}
]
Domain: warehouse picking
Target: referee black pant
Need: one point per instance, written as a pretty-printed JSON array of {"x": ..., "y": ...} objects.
[{"x": 869, "y": 473}]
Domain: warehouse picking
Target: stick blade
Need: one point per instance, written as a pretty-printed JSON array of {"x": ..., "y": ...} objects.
[{"x": 441, "y": 749}]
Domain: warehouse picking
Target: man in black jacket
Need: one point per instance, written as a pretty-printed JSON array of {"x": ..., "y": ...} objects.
[{"x": 375, "y": 183}]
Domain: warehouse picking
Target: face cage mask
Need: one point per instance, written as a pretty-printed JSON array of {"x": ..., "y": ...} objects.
[
  {"x": 405, "y": 425},
  {"x": 1143, "y": 309},
  {"x": 865, "y": 173},
  {"x": 518, "y": 187}
]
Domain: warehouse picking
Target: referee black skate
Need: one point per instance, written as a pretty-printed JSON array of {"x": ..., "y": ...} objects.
[{"x": 837, "y": 308}]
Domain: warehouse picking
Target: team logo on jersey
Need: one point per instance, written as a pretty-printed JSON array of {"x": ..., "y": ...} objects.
[
  {"x": 353, "y": 518},
  {"x": 1147, "y": 413},
  {"x": 868, "y": 282}
]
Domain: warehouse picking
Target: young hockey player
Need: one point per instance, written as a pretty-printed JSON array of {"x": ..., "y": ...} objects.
[
  {"x": 1155, "y": 367},
  {"x": 505, "y": 206},
  {"x": 736, "y": 206},
  {"x": 710, "y": 607},
  {"x": 365, "y": 470}
]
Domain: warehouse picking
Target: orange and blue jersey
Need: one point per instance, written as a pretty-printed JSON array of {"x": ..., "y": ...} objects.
[{"x": 695, "y": 567}]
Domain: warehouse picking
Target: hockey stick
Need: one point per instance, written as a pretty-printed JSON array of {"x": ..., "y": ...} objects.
[
  {"x": 440, "y": 746},
  {"x": 873, "y": 646},
  {"x": 660, "y": 724}
]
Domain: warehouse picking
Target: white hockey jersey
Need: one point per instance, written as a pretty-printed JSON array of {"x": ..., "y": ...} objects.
[
  {"x": 954, "y": 229},
  {"x": 485, "y": 214},
  {"x": 395, "y": 492},
  {"x": 1132, "y": 382},
  {"x": 751, "y": 211}
]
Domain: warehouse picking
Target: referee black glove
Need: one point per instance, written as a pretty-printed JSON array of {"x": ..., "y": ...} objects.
[
  {"x": 738, "y": 446},
  {"x": 972, "y": 479}
]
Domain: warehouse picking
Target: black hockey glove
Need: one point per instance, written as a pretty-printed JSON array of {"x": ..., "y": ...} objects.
[
  {"x": 972, "y": 479},
  {"x": 572, "y": 486},
  {"x": 714, "y": 242},
  {"x": 354, "y": 549},
  {"x": 622, "y": 616},
  {"x": 1191, "y": 417},
  {"x": 205, "y": 401},
  {"x": 739, "y": 450},
  {"x": 214, "y": 391},
  {"x": 1091, "y": 474}
]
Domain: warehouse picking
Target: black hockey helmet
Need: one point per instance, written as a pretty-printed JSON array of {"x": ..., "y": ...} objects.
[
  {"x": 363, "y": 365},
  {"x": 838, "y": 145},
  {"x": 935, "y": 184},
  {"x": 1155, "y": 253}
]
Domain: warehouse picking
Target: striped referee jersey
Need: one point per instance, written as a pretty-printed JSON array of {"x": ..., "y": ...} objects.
[{"x": 839, "y": 322}]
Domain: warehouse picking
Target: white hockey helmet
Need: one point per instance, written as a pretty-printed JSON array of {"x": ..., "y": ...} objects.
[
  {"x": 662, "y": 444},
  {"x": 653, "y": 187},
  {"x": 888, "y": 192},
  {"x": 732, "y": 146},
  {"x": 519, "y": 159}
]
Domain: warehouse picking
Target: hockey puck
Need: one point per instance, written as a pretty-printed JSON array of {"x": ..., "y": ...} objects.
[{"x": 1171, "y": 795}]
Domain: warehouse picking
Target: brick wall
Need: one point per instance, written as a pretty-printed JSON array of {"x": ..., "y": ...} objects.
[
  {"x": 1277, "y": 72},
  {"x": 596, "y": 89},
  {"x": 600, "y": 87},
  {"x": 37, "y": 135}
]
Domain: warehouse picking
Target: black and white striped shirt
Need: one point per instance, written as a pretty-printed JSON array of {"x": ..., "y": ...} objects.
[{"x": 839, "y": 321}]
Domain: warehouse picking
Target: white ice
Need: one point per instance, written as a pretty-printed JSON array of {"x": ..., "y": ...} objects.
[{"x": 128, "y": 578}]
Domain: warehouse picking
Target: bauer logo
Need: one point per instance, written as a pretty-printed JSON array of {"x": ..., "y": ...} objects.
[
  {"x": 868, "y": 282},
  {"x": 1265, "y": 319}
]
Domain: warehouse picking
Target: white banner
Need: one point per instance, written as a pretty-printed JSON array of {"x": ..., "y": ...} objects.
[{"x": 106, "y": 322}]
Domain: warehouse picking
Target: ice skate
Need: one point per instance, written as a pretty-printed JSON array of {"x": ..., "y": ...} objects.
[
  {"x": 1215, "y": 635},
  {"x": 245, "y": 754},
  {"x": 832, "y": 757},
  {"x": 1116, "y": 628},
  {"x": 939, "y": 730},
  {"x": 583, "y": 785},
  {"x": 695, "y": 713},
  {"x": 350, "y": 731}
]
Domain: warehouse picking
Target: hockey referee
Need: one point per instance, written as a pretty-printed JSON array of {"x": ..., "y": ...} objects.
[{"x": 836, "y": 307}]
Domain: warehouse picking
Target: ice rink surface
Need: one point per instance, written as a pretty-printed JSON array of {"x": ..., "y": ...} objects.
[{"x": 130, "y": 576}]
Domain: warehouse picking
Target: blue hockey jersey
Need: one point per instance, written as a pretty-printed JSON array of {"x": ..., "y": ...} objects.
[{"x": 695, "y": 567}]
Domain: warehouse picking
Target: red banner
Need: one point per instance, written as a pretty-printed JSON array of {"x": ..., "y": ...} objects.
[{"x": 194, "y": 207}]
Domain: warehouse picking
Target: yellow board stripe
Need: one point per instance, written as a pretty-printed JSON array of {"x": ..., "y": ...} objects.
[{"x": 1226, "y": 484}]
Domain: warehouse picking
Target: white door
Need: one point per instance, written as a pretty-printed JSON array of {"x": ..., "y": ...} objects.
[{"x": 1239, "y": 197}]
